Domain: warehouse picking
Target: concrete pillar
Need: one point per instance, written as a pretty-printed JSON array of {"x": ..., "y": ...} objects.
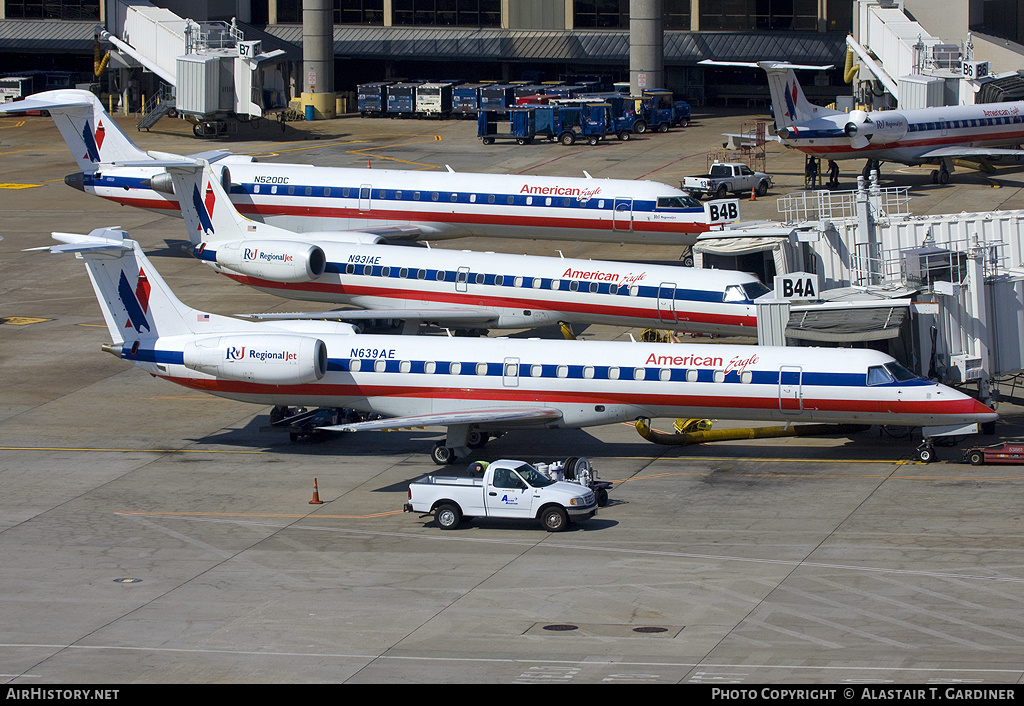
[
  {"x": 646, "y": 46},
  {"x": 318, "y": 58}
]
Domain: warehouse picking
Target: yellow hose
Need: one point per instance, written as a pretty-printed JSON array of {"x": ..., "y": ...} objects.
[
  {"x": 850, "y": 70},
  {"x": 643, "y": 426}
]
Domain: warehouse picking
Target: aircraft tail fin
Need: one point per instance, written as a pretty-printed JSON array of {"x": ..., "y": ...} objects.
[
  {"x": 209, "y": 214},
  {"x": 137, "y": 304},
  {"x": 90, "y": 133},
  {"x": 789, "y": 103}
]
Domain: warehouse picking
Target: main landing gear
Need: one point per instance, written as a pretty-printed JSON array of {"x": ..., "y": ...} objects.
[{"x": 457, "y": 444}]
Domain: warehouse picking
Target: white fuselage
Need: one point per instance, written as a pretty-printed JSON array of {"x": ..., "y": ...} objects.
[{"x": 520, "y": 291}]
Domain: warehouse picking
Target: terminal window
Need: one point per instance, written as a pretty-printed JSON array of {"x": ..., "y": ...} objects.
[{"x": 52, "y": 9}]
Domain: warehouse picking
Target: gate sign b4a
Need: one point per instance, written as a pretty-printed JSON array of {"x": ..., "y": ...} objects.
[{"x": 797, "y": 285}]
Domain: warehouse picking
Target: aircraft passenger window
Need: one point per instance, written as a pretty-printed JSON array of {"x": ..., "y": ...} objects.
[
  {"x": 354, "y": 365},
  {"x": 480, "y": 277},
  {"x": 481, "y": 368},
  {"x": 529, "y": 200},
  {"x": 309, "y": 191},
  {"x": 256, "y": 189},
  {"x": 665, "y": 374},
  {"x": 415, "y": 196},
  {"x": 536, "y": 371},
  {"x": 878, "y": 376},
  {"x": 367, "y": 270},
  {"x": 381, "y": 194},
  {"x": 490, "y": 198},
  {"x": 455, "y": 197},
  {"x": 511, "y": 370},
  {"x": 613, "y": 373},
  {"x": 574, "y": 286},
  {"x": 562, "y": 371},
  {"x": 547, "y": 201},
  {"x": 421, "y": 274},
  {"x": 594, "y": 287},
  {"x": 634, "y": 290},
  {"x": 433, "y": 196},
  {"x": 455, "y": 368},
  {"x": 588, "y": 372},
  {"x": 291, "y": 190},
  {"x": 462, "y": 277},
  {"x": 380, "y": 366},
  {"x": 430, "y": 367},
  {"x": 404, "y": 273},
  {"x": 537, "y": 282},
  {"x": 691, "y": 375},
  {"x": 518, "y": 282},
  {"x": 613, "y": 288},
  {"x": 567, "y": 202},
  {"x": 405, "y": 366},
  {"x": 719, "y": 376},
  {"x": 398, "y": 195},
  {"x": 327, "y": 191},
  {"x": 499, "y": 280},
  {"x": 350, "y": 269},
  {"x": 440, "y": 276},
  {"x": 273, "y": 189},
  {"x": 344, "y": 193},
  {"x": 472, "y": 198},
  {"x": 746, "y": 376},
  {"x": 385, "y": 272},
  {"x": 511, "y": 199},
  {"x": 639, "y": 373},
  {"x": 600, "y": 203}
]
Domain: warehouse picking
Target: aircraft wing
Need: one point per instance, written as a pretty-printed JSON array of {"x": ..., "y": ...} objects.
[
  {"x": 479, "y": 316},
  {"x": 965, "y": 151},
  {"x": 510, "y": 416}
]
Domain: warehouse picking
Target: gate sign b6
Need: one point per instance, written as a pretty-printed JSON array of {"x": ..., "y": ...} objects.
[{"x": 797, "y": 285}]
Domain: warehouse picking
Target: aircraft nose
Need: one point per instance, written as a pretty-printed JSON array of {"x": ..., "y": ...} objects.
[{"x": 75, "y": 181}]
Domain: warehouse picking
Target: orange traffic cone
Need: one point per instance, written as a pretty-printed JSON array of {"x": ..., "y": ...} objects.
[
  {"x": 316, "y": 495},
  {"x": 753, "y": 193}
]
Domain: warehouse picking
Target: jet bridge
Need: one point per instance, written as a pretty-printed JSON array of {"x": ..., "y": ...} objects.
[{"x": 208, "y": 72}]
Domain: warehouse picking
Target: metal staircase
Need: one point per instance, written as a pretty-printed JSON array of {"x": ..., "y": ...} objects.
[{"x": 156, "y": 107}]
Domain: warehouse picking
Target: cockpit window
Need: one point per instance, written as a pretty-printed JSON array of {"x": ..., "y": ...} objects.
[
  {"x": 680, "y": 201},
  {"x": 877, "y": 375},
  {"x": 748, "y": 291},
  {"x": 899, "y": 372},
  {"x": 755, "y": 290},
  {"x": 734, "y": 293}
]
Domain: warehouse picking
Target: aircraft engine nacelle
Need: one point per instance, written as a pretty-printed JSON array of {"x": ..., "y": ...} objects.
[
  {"x": 267, "y": 359},
  {"x": 276, "y": 260},
  {"x": 879, "y": 128}
]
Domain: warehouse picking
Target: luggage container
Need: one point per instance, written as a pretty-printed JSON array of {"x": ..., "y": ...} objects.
[
  {"x": 498, "y": 97},
  {"x": 434, "y": 100},
  {"x": 402, "y": 99},
  {"x": 371, "y": 99},
  {"x": 517, "y": 124},
  {"x": 466, "y": 99}
]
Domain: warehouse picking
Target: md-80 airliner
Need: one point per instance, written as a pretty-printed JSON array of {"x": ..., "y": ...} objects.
[
  {"x": 492, "y": 384},
  {"x": 917, "y": 136},
  {"x": 394, "y": 204},
  {"x": 467, "y": 290}
]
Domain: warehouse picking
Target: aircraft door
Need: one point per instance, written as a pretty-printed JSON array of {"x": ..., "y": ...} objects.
[
  {"x": 364, "y": 197},
  {"x": 667, "y": 302},
  {"x": 510, "y": 372},
  {"x": 508, "y": 495},
  {"x": 461, "y": 279},
  {"x": 790, "y": 389},
  {"x": 622, "y": 214}
]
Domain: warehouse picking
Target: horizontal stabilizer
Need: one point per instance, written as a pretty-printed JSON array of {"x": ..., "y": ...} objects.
[
  {"x": 32, "y": 103},
  {"x": 524, "y": 416},
  {"x": 111, "y": 238}
]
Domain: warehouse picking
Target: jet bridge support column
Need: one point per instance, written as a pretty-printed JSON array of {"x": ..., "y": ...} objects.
[{"x": 318, "y": 58}]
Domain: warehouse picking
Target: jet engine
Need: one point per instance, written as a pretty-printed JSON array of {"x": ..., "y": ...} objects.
[
  {"x": 276, "y": 260},
  {"x": 878, "y": 128},
  {"x": 267, "y": 359}
]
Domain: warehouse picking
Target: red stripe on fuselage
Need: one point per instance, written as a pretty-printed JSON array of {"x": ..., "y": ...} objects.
[{"x": 645, "y": 315}]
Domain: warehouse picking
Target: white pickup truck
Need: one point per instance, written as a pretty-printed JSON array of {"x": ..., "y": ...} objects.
[
  {"x": 507, "y": 489},
  {"x": 727, "y": 177}
]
